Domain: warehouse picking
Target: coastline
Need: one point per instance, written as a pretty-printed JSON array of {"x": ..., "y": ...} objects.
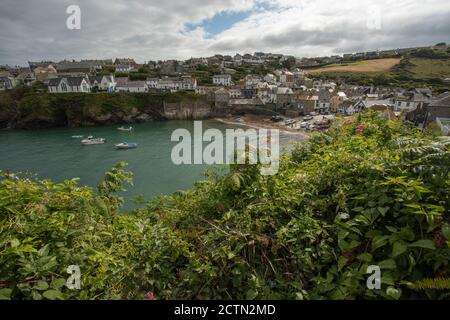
[{"x": 257, "y": 123}]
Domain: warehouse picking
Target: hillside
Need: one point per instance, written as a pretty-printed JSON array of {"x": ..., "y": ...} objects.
[
  {"x": 422, "y": 68},
  {"x": 369, "y": 192},
  {"x": 365, "y": 66}
]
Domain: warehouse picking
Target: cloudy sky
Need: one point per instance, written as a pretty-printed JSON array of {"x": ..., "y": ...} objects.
[{"x": 180, "y": 29}]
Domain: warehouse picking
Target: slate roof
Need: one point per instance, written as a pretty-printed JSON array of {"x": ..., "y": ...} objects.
[
  {"x": 136, "y": 84},
  {"x": 72, "y": 81},
  {"x": 444, "y": 102}
]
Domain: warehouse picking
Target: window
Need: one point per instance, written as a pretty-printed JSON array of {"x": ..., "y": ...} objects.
[{"x": 63, "y": 87}]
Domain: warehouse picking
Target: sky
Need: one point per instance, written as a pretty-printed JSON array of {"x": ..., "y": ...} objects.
[{"x": 35, "y": 30}]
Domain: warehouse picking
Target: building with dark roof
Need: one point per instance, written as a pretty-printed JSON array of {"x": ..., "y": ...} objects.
[
  {"x": 439, "y": 108},
  {"x": 69, "y": 84}
]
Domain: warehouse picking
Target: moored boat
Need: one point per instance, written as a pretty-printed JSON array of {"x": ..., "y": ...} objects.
[
  {"x": 122, "y": 128},
  {"x": 126, "y": 145},
  {"x": 91, "y": 140}
]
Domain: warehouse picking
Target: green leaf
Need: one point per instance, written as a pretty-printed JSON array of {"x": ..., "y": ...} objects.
[
  {"x": 394, "y": 292},
  {"x": 425, "y": 243},
  {"x": 15, "y": 243},
  {"x": 299, "y": 296},
  {"x": 446, "y": 231},
  {"x": 44, "y": 250},
  {"x": 41, "y": 285},
  {"x": 52, "y": 294},
  {"x": 387, "y": 264},
  {"x": 383, "y": 210},
  {"x": 398, "y": 248},
  {"x": 36, "y": 295},
  {"x": 366, "y": 257},
  {"x": 58, "y": 283},
  {"x": 342, "y": 261},
  {"x": 379, "y": 241},
  {"x": 5, "y": 294},
  {"x": 391, "y": 229},
  {"x": 251, "y": 294}
]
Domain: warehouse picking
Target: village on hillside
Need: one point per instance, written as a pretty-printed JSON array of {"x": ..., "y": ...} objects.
[{"x": 282, "y": 85}]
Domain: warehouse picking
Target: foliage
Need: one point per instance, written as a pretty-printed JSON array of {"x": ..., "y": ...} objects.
[
  {"x": 27, "y": 107},
  {"x": 367, "y": 192}
]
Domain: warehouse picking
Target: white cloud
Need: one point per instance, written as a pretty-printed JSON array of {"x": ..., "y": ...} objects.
[{"x": 156, "y": 29}]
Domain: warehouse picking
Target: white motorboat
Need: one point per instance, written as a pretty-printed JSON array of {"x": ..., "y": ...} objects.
[
  {"x": 126, "y": 145},
  {"x": 91, "y": 140},
  {"x": 122, "y": 128}
]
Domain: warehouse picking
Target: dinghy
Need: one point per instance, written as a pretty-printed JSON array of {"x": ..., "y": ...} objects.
[{"x": 122, "y": 128}]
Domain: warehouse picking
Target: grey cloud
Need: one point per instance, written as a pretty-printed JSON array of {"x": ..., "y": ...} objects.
[{"x": 153, "y": 29}]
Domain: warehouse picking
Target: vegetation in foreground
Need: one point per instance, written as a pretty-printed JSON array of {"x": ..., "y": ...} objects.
[{"x": 369, "y": 192}]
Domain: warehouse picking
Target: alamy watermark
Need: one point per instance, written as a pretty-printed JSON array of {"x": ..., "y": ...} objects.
[
  {"x": 374, "y": 280},
  {"x": 73, "y": 22},
  {"x": 250, "y": 146},
  {"x": 373, "y": 17},
  {"x": 74, "y": 280}
]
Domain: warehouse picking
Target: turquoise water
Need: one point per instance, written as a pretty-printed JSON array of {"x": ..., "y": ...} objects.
[{"x": 54, "y": 154}]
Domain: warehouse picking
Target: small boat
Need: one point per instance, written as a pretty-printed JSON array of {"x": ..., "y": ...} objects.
[
  {"x": 77, "y": 137},
  {"x": 91, "y": 140},
  {"x": 122, "y": 128},
  {"x": 126, "y": 145}
]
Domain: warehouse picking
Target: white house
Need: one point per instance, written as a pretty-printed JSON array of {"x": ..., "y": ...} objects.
[
  {"x": 137, "y": 86},
  {"x": 6, "y": 81},
  {"x": 237, "y": 59},
  {"x": 152, "y": 83},
  {"x": 124, "y": 85},
  {"x": 270, "y": 78},
  {"x": 222, "y": 79},
  {"x": 268, "y": 94},
  {"x": 252, "y": 80},
  {"x": 299, "y": 74},
  {"x": 235, "y": 93},
  {"x": 173, "y": 84},
  {"x": 69, "y": 84},
  {"x": 124, "y": 68},
  {"x": 103, "y": 83},
  {"x": 407, "y": 104},
  {"x": 188, "y": 83}
]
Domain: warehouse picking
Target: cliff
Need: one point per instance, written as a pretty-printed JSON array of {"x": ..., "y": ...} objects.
[{"x": 24, "y": 109}]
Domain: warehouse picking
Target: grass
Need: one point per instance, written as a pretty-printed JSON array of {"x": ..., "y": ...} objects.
[
  {"x": 366, "y": 66},
  {"x": 421, "y": 68}
]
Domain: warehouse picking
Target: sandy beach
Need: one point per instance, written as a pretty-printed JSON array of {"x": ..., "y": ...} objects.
[{"x": 258, "y": 122}]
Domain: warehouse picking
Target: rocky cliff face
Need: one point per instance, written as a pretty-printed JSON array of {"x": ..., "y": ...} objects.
[
  {"x": 46, "y": 110},
  {"x": 187, "y": 110}
]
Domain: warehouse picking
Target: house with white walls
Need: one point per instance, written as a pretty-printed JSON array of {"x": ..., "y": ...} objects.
[{"x": 69, "y": 84}]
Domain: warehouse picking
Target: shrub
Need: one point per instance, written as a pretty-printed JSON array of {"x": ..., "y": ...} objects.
[{"x": 367, "y": 192}]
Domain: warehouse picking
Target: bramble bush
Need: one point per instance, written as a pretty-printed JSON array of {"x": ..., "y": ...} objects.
[{"x": 367, "y": 192}]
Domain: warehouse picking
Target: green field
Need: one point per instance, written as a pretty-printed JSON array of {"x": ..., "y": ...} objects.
[{"x": 422, "y": 68}]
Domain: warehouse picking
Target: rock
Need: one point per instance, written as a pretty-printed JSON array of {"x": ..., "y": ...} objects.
[{"x": 143, "y": 117}]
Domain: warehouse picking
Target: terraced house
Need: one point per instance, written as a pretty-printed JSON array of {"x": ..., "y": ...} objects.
[
  {"x": 103, "y": 83},
  {"x": 69, "y": 84}
]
